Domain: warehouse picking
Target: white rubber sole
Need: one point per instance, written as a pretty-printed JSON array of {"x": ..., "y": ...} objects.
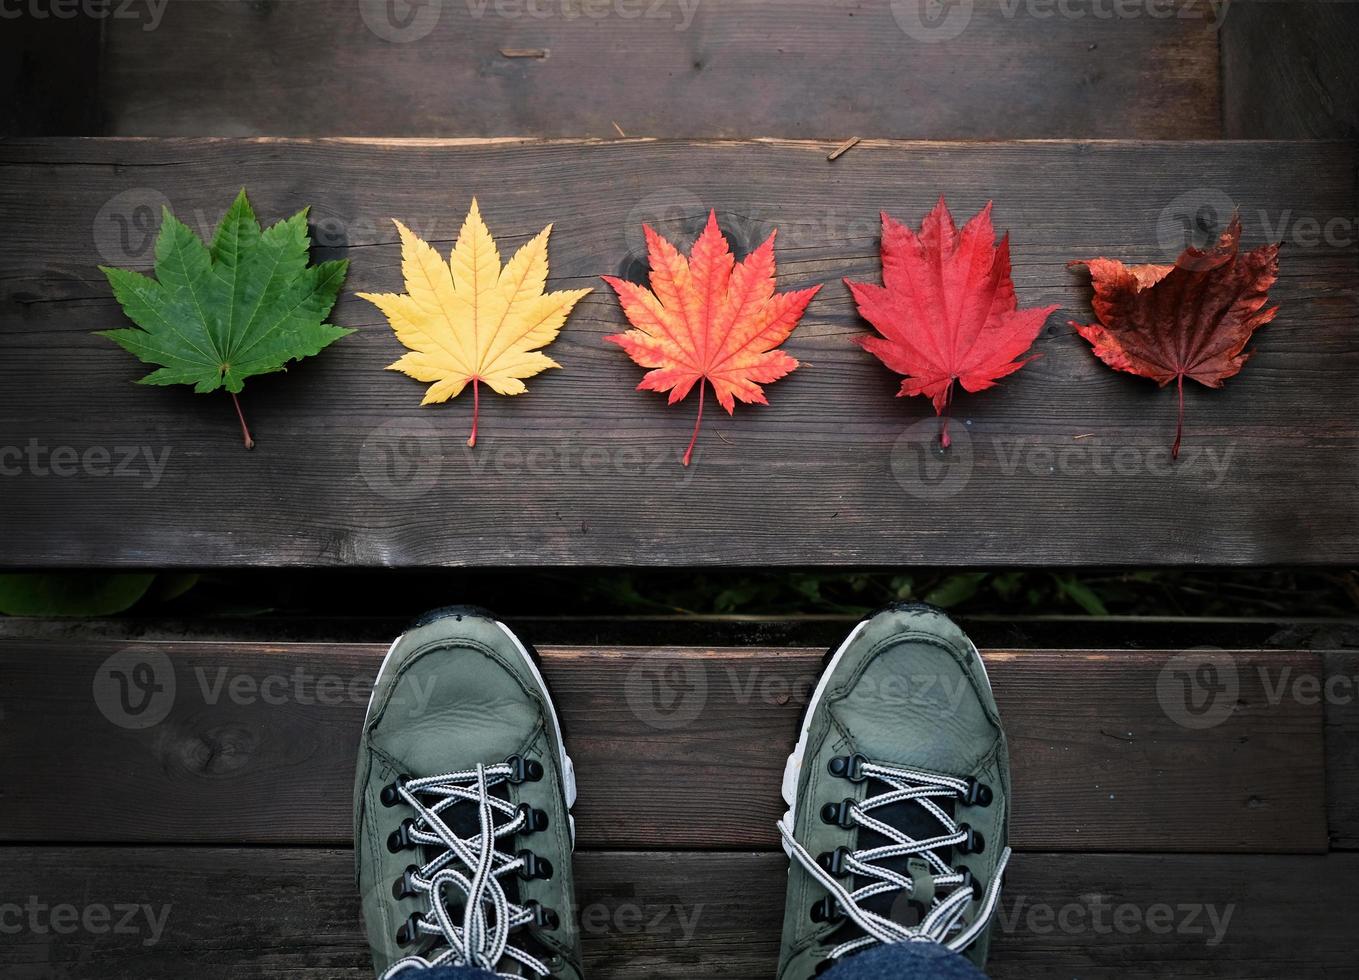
[
  {"x": 568, "y": 767},
  {"x": 792, "y": 770}
]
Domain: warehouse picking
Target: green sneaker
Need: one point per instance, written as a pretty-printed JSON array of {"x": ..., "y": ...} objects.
[
  {"x": 898, "y": 794},
  {"x": 462, "y": 806}
]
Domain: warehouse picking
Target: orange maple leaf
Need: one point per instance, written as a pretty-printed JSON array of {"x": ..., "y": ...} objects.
[{"x": 708, "y": 319}]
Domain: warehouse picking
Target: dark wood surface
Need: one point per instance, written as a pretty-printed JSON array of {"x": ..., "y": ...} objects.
[
  {"x": 665, "y": 68},
  {"x": 1341, "y": 698},
  {"x": 1068, "y": 460},
  {"x": 1288, "y": 70},
  {"x": 287, "y": 912},
  {"x": 49, "y": 71},
  {"x": 675, "y": 748}
]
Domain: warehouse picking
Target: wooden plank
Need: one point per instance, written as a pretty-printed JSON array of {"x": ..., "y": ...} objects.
[
  {"x": 427, "y": 590},
  {"x": 671, "y": 68},
  {"x": 1288, "y": 69},
  {"x": 674, "y": 747},
  {"x": 49, "y": 69},
  {"x": 283, "y": 912},
  {"x": 584, "y": 470},
  {"x": 1341, "y": 699}
]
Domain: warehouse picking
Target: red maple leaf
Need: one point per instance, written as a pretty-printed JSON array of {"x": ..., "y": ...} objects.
[
  {"x": 946, "y": 310},
  {"x": 709, "y": 319},
  {"x": 1192, "y": 319}
]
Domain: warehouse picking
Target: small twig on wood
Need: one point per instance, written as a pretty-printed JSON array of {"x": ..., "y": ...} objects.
[
  {"x": 843, "y": 148},
  {"x": 619, "y": 128},
  {"x": 1083, "y": 435},
  {"x": 723, "y": 437},
  {"x": 524, "y": 52}
]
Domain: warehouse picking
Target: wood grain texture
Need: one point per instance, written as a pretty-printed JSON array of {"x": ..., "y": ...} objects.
[
  {"x": 665, "y": 68},
  {"x": 675, "y": 748},
  {"x": 1288, "y": 69},
  {"x": 284, "y": 912},
  {"x": 1065, "y": 463},
  {"x": 1341, "y": 698}
]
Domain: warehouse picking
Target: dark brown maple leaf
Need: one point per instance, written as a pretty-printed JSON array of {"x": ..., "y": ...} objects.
[{"x": 1192, "y": 319}]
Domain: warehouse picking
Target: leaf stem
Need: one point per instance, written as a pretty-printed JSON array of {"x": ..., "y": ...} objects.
[
  {"x": 476, "y": 411},
  {"x": 1179, "y": 425},
  {"x": 944, "y": 440},
  {"x": 245, "y": 431},
  {"x": 702, "y": 390}
]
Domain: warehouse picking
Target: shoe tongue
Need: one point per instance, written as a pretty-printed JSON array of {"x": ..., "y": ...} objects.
[
  {"x": 916, "y": 822},
  {"x": 464, "y": 817}
]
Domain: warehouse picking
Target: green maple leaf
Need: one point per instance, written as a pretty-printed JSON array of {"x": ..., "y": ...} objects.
[{"x": 215, "y": 316}]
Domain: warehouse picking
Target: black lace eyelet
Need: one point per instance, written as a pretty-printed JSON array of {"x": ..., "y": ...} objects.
[
  {"x": 971, "y": 883},
  {"x": 543, "y": 917},
  {"x": 409, "y": 931},
  {"x": 826, "y": 910},
  {"x": 524, "y": 770},
  {"x": 535, "y": 821},
  {"x": 839, "y": 814},
  {"x": 534, "y": 867},
  {"x": 391, "y": 794},
  {"x": 404, "y": 887},
  {"x": 849, "y": 767},
  {"x": 400, "y": 838},
  {"x": 976, "y": 794},
  {"x": 973, "y": 843},
  {"x": 836, "y": 861}
]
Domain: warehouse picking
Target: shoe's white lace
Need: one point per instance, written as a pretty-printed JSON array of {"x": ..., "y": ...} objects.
[
  {"x": 472, "y": 866},
  {"x": 942, "y": 923}
]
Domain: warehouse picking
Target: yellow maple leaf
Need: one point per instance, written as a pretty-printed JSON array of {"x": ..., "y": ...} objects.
[{"x": 469, "y": 319}]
